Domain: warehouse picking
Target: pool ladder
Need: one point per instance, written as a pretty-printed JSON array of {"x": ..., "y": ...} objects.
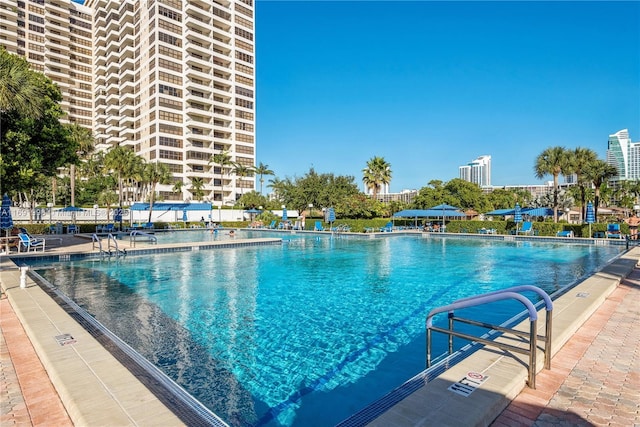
[
  {"x": 110, "y": 238},
  {"x": 135, "y": 233},
  {"x": 509, "y": 293}
]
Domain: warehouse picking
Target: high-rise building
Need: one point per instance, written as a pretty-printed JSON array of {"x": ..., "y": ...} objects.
[
  {"x": 624, "y": 155},
  {"x": 172, "y": 79},
  {"x": 477, "y": 171}
]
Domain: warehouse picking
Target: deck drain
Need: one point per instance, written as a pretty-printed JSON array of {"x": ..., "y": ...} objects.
[
  {"x": 582, "y": 295},
  {"x": 65, "y": 339}
]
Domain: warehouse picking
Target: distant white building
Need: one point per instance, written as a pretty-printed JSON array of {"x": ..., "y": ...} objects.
[
  {"x": 624, "y": 155},
  {"x": 477, "y": 171}
]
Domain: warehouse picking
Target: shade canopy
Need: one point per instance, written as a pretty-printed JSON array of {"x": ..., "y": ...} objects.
[
  {"x": 253, "y": 211},
  {"x": 172, "y": 206},
  {"x": 428, "y": 213},
  {"x": 525, "y": 211}
]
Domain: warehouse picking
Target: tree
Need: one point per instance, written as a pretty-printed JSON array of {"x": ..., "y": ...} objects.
[
  {"x": 552, "y": 161},
  {"x": 177, "y": 186},
  {"x": 82, "y": 139},
  {"x": 121, "y": 160},
  {"x": 579, "y": 159},
  {"x": 154, "y": 174},
  {"x": 242, "y": 171},
  {"x": 107, "y": 198},
  {"x": 262, "y": 170},
  {"x": 598, "y": 173},
  {"x": 197, "y": 187},
  {"x": 376, "y": 174},
  {"x": 21, "y": 90},
  {"x": 224, "y": 160}
]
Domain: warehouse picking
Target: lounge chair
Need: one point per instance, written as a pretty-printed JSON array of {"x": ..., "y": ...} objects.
[
  {"x": 388, "y": 227},
  {"x": 527, "y": 228},
  {"x": 29, "y": 243},
  {"x": 34, "y": 240},
  {"x": 613, "y": 231},
  {"x": 318, "y": 226},
  {"x": 72, "y": 229},
  {"x": 273, "y": 224},
  {"x": 565, "y": 233}
]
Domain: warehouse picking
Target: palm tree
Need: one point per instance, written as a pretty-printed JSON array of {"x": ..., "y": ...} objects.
[
  {"x": 177, "y": 186},
  {"x": 197, "y": 185},
  {"x": 82, "y": 138},
  {"x": 598, "y": 173},
  {"x": 242, "y": 171},
  {"x": 580, "y": 158},
  {"x": 120, "y": 160},
  {"x": 107, "y": 198},
  {"x": 262, "y": 170},
  {"x": 20, "y": 88},
  {"x": 376, "y": 174},
  {"x": 224, "y": 160},
  {"x": 552, "y": 161},
  {"x": 154, "y": 174}
]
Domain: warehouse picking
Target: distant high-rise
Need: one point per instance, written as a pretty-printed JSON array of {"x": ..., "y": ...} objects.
[
  {"x": 173, "y": 79},
  {"x": 477, "y": 171},
  {"x": 624, "y": 155}
]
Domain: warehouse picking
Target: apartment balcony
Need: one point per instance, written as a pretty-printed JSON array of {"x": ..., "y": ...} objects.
[
  {"x": 203, "y": 41},
  {"x": 197, "y": 60},
  {"x": 57, "y": 6},
  {"x": 200, "y": 24}
]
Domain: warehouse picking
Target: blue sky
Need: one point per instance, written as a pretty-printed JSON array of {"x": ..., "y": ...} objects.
[{"x": 430, "y": 86}]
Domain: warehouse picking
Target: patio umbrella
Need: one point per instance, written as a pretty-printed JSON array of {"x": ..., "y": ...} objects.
[
  {"x": 591, "y": 216},
  {"x": 284, "y": 214},
  {"x": 447, "y": 210},
  {"x": 331, "y": 216},
  {"x": 184, "y": 216},
  {"x": 6, "y": 221},
  {"x": 517, "y": 215}
]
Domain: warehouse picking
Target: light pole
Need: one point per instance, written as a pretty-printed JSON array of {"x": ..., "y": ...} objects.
[
  {"x": 95, "y": 208},
  {"x": 310, "y": 210},
  {"x": 50, "y": 206}
]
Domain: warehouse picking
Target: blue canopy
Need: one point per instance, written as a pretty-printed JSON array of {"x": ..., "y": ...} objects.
[
  {"x": 501, "y": 212},
  {"x": 71, "y": 209},
  {"x": 538, "y": 212},
  {"x": 428, "y": 213},
  {"x": 411, "y": 213}
]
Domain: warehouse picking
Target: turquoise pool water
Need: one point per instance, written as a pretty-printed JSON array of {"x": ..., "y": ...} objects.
[{"x": 306, "y": 333}]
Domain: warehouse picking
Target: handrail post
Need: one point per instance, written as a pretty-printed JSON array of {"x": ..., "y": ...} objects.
[
  {"x": 428, "y": 347},
  {"x": 547, "y": 339},
  {"x": 450, "y": 334},
  {"x": 533, "y": 349}
]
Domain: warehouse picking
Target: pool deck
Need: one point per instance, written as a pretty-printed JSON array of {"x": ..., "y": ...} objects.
[{"x": 594, "y": 377}]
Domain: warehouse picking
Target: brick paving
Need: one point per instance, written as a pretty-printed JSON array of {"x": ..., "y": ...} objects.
[
  {"x": 595, "y": 378},
  {"x": 27, "y": 396}
]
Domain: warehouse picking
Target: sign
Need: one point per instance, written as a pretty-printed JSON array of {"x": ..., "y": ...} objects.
[{"x": 468, "y": 384}]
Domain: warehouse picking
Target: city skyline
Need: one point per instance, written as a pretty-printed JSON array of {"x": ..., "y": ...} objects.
[{"x": 428, "y": 85}]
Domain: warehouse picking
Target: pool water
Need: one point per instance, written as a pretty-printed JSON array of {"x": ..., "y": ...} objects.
[{"x": 309, "y": 332}]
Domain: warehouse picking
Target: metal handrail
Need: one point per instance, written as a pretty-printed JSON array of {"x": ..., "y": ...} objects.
[
  {"x": 111, "y": 238},
  {"x": 134, "y": 233},
  {"x": 509, "y": 293}
]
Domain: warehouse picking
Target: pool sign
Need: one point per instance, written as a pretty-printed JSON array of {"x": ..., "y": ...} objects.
[
  {"x": 65, "y": 339},
  {"x": 468, "y": 384}
]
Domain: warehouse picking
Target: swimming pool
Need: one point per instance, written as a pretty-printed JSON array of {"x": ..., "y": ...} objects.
[{"x": 306, "y": 333}]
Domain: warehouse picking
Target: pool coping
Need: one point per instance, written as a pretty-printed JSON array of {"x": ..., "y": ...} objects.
[{"x": 96, "y": 389}]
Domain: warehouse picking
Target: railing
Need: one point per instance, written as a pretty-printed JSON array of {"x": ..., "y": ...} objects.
[
  {"x": 117, "y": 252},
  {"x": 135, "y": 233},
  {"x": 95, "y": 239},
  {"x": 509, "y": 293}
]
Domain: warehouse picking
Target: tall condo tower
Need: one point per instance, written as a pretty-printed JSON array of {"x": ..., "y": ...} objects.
[
  {"x": 172, "y": 79},
  {"x": 477, "y": 171},
  {"x": 624, "y": 155}
]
